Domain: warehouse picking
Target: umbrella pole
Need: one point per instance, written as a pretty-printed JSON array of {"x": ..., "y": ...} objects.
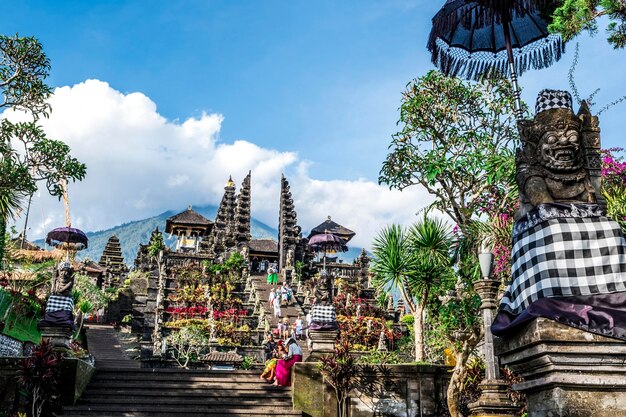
[{"x": 509, "y": 50}]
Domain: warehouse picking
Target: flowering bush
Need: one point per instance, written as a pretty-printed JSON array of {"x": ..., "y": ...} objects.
[
  {"x": 614, "y": 185},
  {"x": 365, "y": 331}
]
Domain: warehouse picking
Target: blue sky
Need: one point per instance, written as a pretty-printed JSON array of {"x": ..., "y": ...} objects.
[{"x": 321, "y": 79}]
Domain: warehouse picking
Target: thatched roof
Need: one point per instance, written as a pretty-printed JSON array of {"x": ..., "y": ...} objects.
[
  {"x": 37, "y": 256},
  {"x": 17, "y": 243},
  {"x": 263, "y": 246},
  {"x": 188, "y": 217},
  {"x": 336, "y": 229}
]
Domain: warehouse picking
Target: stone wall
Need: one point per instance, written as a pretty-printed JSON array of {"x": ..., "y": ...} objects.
[
  {"x": 389, "y": 390},
  {"x": 9, "y": 391}
]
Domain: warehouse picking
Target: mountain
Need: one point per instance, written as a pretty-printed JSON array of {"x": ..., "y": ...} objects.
[{"x": 133, "y": 233}]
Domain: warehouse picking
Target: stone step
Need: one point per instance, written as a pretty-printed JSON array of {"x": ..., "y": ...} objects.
[
  {"x": 108, "y": 392},
  {"x": 184, "y": 401},
  {"x": 215, "y": 385},
  {"x": 196, "y": 410}
]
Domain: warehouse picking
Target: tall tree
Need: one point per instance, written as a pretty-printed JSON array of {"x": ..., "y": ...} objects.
[
  {"x": 455, "y": 142},
  {"x": 571, "y": 17},
  {"x": 414, "y": 262},
  {"x": 27, "y": 156}
]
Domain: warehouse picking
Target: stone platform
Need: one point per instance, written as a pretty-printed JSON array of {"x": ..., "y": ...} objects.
[{"x": 568, "y": 372}]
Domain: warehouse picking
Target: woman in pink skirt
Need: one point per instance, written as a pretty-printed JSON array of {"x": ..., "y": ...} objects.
[{"x": 283, "y": 367}]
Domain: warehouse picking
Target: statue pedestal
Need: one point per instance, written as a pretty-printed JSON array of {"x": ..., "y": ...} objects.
[
  {"x": 322, "y": 343},
  {"x": 567, "y": 372},
  {"x": 59, "y": 337}
]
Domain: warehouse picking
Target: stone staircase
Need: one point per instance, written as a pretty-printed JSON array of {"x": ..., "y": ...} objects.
[
  {"x": 120, "y": 388},
  {"x": 291, "y": 312}
]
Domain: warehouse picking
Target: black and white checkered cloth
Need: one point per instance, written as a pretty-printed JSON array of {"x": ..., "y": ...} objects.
[
  {"x": 323, "y": 314},
  {"x": 565, "y": 257},
  {"x": 553, "y": 99},
  {"x": 59, "y": 303}
]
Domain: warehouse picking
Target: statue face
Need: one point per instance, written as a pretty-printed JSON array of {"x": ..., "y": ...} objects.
[{"x": 560, "y": 150}]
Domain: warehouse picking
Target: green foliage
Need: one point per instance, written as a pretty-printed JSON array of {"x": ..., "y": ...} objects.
[
  {"x": 408, "y": 320},
  {"x": 248, "y": 362},
  {"x": 27, "y": 156},
  {"x": 85, "y": 290},
  {"x": 381, "y": 358},
  {"x": 156, "y": 245},
  {"x": 187, "y": 344},
  {"x": 39, "y": 375},
  {"x": 572, "y": 17},
  {"x": 340, "y": 371},
  {"x": 453, "y": 131}
]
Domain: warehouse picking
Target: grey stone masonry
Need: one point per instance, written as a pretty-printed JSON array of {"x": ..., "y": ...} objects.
[{"x": 567, "y": 372}]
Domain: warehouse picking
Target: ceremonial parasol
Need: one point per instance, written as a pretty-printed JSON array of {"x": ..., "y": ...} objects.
[
  {"x": 327, "y": 243},
  {"x": 68, "y": 238},
  {"x": 474, "y": 38}
]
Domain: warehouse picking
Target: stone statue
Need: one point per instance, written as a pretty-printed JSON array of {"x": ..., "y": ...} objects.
[
  {"x": 245, "y": 252},
  {"x": 63, "y": 280},
  {"x": 323, "y": 290},
  {"x": 551, "y": 165},
  {"x": 289, "y": 261}
]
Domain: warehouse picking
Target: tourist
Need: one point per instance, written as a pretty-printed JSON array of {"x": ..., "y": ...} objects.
[
  {"x": 284, "y": 365},
  {"x": 285, "y": 329},
  {"x": 298, "y": 325},
  {"x": 284, "y": 294},
  {"x": 269, "y": 373},
  {"x": 272, "y": 296},
  {"x": 272, "y": 276},
  {"x": 269, "y": 347},
  {"x": 277, "y": 312}
]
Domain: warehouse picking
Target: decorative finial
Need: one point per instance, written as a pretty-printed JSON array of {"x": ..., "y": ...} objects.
[
  {"x": 189, "y": 208},
  {"x": 328, "y": 217},
  {"x": 230, "y": 182}
]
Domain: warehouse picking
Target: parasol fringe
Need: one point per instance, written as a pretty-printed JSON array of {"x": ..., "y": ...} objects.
[{"x": 454, "y": 64}]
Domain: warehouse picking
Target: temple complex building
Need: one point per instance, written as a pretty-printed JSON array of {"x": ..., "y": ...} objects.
[{"x": 190, "y": 228}]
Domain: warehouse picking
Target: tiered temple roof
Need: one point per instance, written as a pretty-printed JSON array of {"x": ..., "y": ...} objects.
[
  {"x": 112, "y": 258},
  {"x": 241, "y": 229},
  {"x": 336, "y": 229},
  {"x": 288, "y": 229},
  {"x": 221, "y": 236}
]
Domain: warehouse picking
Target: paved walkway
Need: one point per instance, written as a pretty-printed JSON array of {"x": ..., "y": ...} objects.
[{"x": 106, "y": 348}]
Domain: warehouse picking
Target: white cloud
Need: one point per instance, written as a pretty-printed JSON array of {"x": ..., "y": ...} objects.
[{"x": 140, "y": 164}]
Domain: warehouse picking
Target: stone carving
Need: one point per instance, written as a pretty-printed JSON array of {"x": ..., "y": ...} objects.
[
  {"x": 552, "y": 165},
  {"x": 63, "y": 281},
  {"x": 289, "y": 262},
  {"x": 323, "y": 290}
]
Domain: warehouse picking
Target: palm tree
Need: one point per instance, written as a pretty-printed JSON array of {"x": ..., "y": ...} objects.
[
  {"x": 413, "y": 261},
  {"x": 431, "y": 243},
  {"x": 10, "y": 203}
]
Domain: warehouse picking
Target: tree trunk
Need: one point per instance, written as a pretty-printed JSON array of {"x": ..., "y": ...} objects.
[
  {"x": 3, "y": 230},
  {"x": 458, "y": 374},
  {"x": 418, "y": 327}
]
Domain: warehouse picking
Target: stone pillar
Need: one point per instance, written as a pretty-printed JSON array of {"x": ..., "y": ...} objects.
[
  {"x": 567, "y": 371},
  {"x": 493, "y": 401},
  {"x": 322, "y": 343},
  {"x": 59, "y": 337}
]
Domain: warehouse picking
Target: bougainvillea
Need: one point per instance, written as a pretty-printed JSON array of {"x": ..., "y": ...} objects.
[{"x": 614, "y": 185}]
